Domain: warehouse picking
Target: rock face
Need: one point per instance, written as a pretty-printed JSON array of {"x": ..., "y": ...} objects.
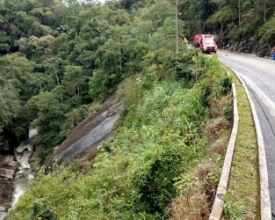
[
  {"x": 89, "y": 133},
  {"x": 8, "y": 166},
  {"x": 23, "y": 154},
  {"x": 14, "y": 174},
  {"x": 251, "y": 45}
]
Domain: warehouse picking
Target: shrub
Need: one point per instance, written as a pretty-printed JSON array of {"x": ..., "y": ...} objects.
[
  {"x": 224, "y": 83},
  {"x": 42, "y": 210},
  {"x": 233, "y": 209}
]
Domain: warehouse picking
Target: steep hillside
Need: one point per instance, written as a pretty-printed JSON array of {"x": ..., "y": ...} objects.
[{"x": 167, "y": 147}]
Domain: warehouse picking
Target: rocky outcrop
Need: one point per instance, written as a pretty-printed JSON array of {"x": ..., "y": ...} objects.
[
  {"x": 89, "y": 133},
  {"x": 14, "y": 174},
  {"x": 8, "y": 167},
  {"x": 252, "y": 45}
]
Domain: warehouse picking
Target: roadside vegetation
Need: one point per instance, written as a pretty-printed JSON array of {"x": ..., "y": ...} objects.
[
  {"x": 61, "y": 59},
  {"x": 242, "y": 198}
]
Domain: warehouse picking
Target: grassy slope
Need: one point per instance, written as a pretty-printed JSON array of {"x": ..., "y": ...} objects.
[{"x": 242, "y": 199}]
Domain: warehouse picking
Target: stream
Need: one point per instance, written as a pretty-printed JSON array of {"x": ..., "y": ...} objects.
[
  {"x": 15, "y": 169},
  {"x": 15, "y": 172}
]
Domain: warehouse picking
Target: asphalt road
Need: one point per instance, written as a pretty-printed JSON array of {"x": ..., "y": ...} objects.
[{"x": 259, "y": 76}]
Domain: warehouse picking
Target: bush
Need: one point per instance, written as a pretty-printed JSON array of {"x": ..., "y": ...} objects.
[
  {"x": 42, "y": 210},
  {"x": 234, "y": 210},
  {"x": 225, "y": 84}
]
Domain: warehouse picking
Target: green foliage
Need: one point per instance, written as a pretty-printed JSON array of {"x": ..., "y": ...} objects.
[
  {"x": 155, "y": 182},
  {"x": 234, "y": 210},
  {"x": 134, "y": 177},
  {"x": 222, "y": 16},
  {"x": 224, "y": 84},
  {"x": 236, "y": 33},
  {"x": 187, "y": 185},
  {"x": 73, "y": 118},
  {"x": 43, "y": 210},
  {"x": 96, "y": 85},
  {"x": 244, "y": 176},
  {"x": 13, "y": 126},
  {"x": 266, "y": 31},
  {"x": 231, "y": 21},
  {"x": 48, "y": 111},
  {"x": 71, "y": 54},
  {"x": 4, "y": 48},
  {"x": 188, "y": 65},
  {"x": 142, "y": 49}
]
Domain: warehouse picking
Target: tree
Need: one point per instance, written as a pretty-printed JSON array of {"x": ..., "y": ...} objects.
[
  {"x": 10, "y": 109},
  {"x": 54, "y": 66},
  {"x": 49, "y": 113},
  {"x": 75, "y": 83}
]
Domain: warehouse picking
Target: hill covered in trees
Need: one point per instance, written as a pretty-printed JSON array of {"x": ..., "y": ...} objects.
[
  {"x": 68, "y": 53},
  {"x": 58, "y": 57}
]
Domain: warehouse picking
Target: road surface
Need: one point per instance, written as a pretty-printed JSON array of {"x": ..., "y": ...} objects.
[{"x": 259, "y": 77}]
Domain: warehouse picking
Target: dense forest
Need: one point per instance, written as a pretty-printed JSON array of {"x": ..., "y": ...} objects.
[{"x": 59, "y": 58}]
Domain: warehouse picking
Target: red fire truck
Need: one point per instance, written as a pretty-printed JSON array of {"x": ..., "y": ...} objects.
[{"x": 205, "y": 42}]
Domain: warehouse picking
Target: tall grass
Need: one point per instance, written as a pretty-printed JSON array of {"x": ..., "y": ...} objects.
[{"x": 242, "y": 198}]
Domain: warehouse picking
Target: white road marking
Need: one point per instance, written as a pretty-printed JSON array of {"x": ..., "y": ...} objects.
[{"x": 261, "y": 94}]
